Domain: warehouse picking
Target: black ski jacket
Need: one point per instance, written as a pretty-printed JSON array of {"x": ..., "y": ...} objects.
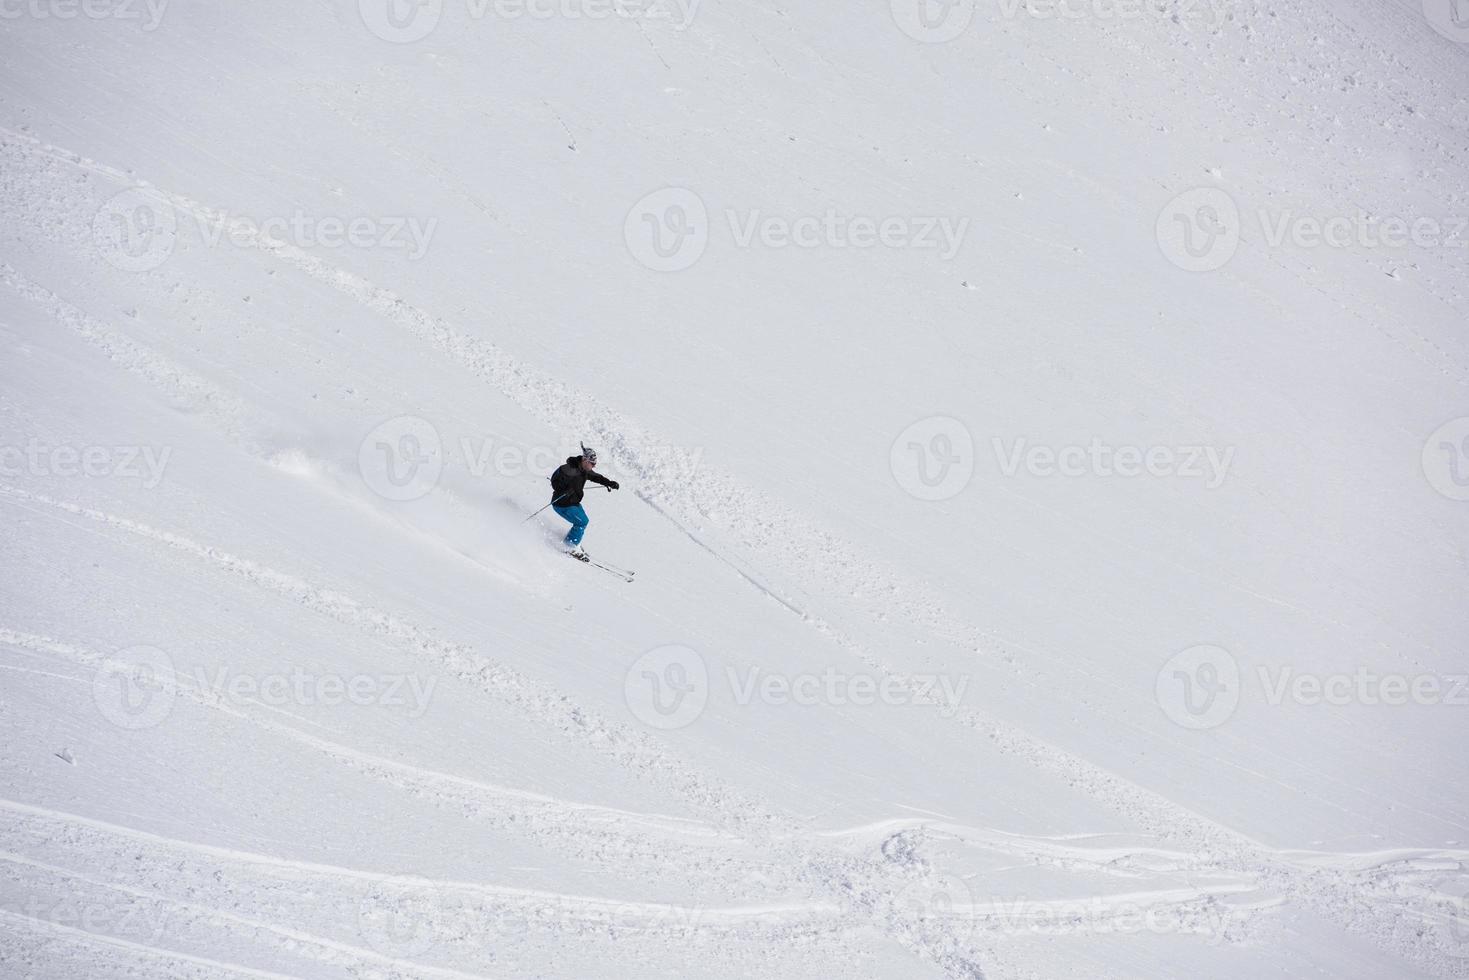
[{"x": 568, "y": 482}]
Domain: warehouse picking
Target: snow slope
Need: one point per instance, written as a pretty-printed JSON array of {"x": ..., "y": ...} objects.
[{"x": 289, "y": 687}]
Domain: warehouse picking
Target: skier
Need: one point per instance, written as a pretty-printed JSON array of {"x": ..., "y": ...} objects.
[{"x": 567, "y": 484}]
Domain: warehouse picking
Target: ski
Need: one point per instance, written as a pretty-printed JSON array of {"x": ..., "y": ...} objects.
[
  {"x": 621, "y": 573},
  {"x": 616, "y": 568}
]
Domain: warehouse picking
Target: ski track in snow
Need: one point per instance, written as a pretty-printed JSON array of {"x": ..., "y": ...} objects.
[
  {"x": 872, "y": 881},
  {"x": 143, "y": 953},
  {"x": 227, "y": 879},
  {"x": 763, "y": 524},
  {"x": 128, "y": 901},
  {"x": 631, "y": 749},
  {"x": 643, "y": 844},
  {"x": 1373, "y": 894}
]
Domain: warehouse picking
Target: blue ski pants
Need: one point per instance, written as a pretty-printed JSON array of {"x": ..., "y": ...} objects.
[{"x": 578, "y": 519}]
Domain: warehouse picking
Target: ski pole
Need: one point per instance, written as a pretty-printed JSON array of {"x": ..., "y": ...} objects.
[{"x": 551, "y": 504}]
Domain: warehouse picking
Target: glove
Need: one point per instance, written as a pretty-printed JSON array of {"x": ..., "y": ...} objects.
[{"x": 614, "y": 485}]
